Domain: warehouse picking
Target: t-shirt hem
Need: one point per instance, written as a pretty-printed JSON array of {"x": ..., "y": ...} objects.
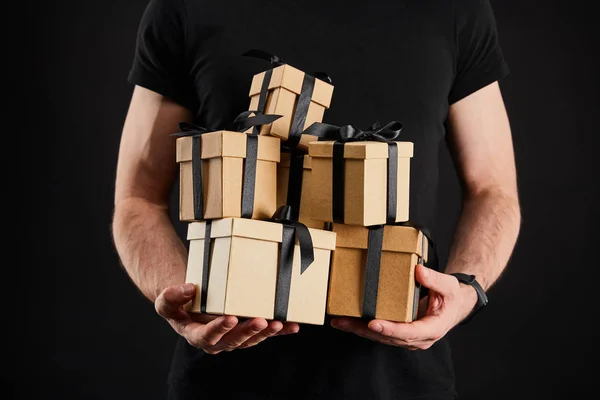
[{"x": 500, "y": 72}]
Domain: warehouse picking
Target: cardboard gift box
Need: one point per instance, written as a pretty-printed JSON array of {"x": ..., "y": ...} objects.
[
  {"x": 362, "y": 185},
  {"x": 300, "y": 98},
  {"x": 244, "y": 272},
  {"x": 300, "y": 197},
  {"x": 390, "y": 281},
  {"x": 213, "y": 167}
]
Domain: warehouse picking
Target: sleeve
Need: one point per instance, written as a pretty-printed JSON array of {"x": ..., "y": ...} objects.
[
  {"x": 479, "y": 59},
  {"x": 159, "y": 62}
]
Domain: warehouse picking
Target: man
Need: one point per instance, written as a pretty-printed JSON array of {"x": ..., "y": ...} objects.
[{"x": 433, "y": 65}]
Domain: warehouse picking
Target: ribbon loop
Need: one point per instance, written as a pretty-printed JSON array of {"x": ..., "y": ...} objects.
[
  {"x": 291, "y": 230},
  {"x": 263, "y": 55}
]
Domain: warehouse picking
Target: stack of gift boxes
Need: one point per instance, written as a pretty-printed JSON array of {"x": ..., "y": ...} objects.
[{"x": 292, "y": 219}]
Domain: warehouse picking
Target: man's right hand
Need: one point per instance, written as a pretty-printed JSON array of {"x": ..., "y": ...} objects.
[{"x": 211, "y": 333}]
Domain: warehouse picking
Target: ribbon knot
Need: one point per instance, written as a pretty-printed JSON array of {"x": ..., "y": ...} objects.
[
  {"x": 376, "y": 133},
  {"x": 244, "y": 121}
]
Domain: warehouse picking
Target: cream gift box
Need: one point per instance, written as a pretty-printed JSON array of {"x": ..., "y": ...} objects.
[{"x": 244, "y": 269}]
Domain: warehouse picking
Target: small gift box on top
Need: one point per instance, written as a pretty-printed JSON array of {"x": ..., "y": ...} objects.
[
  {"x": 373, "y": 272},
  {"x": 226, "y": 174},
  {"x": 256, "y": 268},
  {"x": 294, "y": 187},
  {"x": 300, "y": 98},
  {"x": 362, "y": 178}
]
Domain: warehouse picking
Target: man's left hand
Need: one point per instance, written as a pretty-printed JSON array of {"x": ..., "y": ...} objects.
[{"x": 448, "y": 303}]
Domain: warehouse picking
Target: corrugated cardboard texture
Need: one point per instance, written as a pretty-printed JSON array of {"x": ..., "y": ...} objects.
[
  {"x": 223, "y": 156},
  {"x": 365, "y": 192},
  {"x": 307, "y": 199},
  {"x": 395, "y": 298},
  {"x": 284, "y": 88}
]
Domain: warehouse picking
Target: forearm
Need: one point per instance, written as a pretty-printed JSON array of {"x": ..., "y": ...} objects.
[
  {"x": 485, "y": 235},
  {"x": 149, "y": 248}
]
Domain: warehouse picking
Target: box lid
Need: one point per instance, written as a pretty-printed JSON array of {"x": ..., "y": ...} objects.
[
  {"x": 228, "y": 144},
  {"x": 255, "y": 229},
  {"x": 285, "y": 161},
  {"x": 401, "y": 239},
  {"x": 292, "y": 78},
  {"x": 359, "y": 150}
]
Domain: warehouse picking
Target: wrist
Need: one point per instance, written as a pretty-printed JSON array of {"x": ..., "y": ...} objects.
[{"x": 469, "y": 299}]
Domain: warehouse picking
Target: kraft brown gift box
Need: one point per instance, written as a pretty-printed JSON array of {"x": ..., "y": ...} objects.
[
  {"x": 365, "y": 189},
  {"x": 402, "y": 248},
  {"x": 244, "y": 260},
  {"x": 223, "y": 154},
  {"x": 307, "y": 199},
  {"x": 284, "y": 88}
]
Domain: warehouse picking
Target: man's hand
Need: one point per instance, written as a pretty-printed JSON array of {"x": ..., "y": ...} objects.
[
  {"x": 211, "y": 333},
  {"x": 448, "y": 303}
]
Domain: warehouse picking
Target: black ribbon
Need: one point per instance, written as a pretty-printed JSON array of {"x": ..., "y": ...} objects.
[
  {"x": 205, "y": 266},
  {"x": 374, "y": 252},
  {"x": 241, "y": 123},
  {"x": 291, "y": 229},
  {"x": 349, "y": 133},
  {"x": 295, "y": 177},
  {"x": 303, "y": 103}
]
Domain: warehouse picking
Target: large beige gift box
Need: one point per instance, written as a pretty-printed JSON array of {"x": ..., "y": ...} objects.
[{"x": 243, "y": 270}]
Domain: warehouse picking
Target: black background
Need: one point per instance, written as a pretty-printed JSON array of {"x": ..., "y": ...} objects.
[{"x": 83, "y": 331}]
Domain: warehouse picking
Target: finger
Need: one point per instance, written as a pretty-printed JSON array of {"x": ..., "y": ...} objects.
[
  {"x": 210, "y": 334},
  {"x": 430, "y": 327},
  {"x": 289, "y": 328},
  {"x": 240, "y": 334},
  {"x": 169, "y": 302},
  {"x": 272, "y": 329},
  {"x": 446, "y": 285},
  {"x": 361, "y": 329},
  {"x": 423, "y": 307}
]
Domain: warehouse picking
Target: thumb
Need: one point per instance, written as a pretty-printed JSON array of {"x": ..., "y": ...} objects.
[
  {"x": 168, "y": 304},
  {"x": 443, "y": 284}
]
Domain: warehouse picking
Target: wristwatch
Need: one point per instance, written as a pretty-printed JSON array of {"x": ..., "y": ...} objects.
[{"x": 482, "y": 298}]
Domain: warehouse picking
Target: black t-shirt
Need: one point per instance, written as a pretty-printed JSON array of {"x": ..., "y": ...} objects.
[{"x": 404, "y": 60}]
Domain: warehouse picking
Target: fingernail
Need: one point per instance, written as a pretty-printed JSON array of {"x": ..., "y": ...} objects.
[
  {"x": 376, "y": 328},
  {"x": 424, "y": 271},
  {"x": 187, "y": 289}
]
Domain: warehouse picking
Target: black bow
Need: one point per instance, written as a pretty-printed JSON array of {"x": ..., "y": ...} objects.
[
  {"x": 277, "y": 61},
  {"x": 291, "y": 229},
  {"x": 244, "y": 121},
  {"x": 263, "y": 55},
  {"x": 349, "y": 133}
]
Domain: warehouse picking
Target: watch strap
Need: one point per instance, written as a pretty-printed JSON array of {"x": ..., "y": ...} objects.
[{"x": 482, "y": 299}]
